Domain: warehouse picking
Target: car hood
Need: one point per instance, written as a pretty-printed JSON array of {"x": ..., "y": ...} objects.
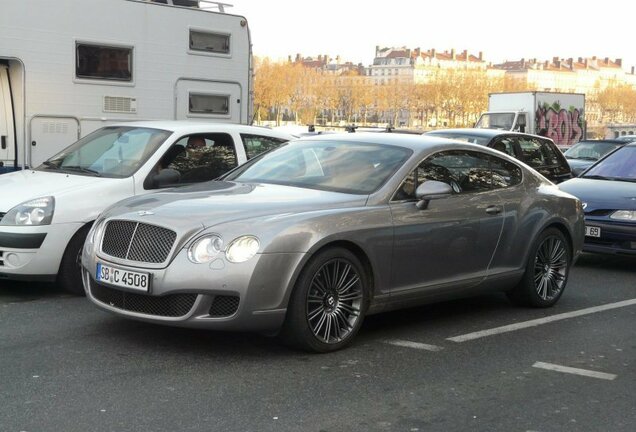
[
  {"x": 602, "y": 194},
  {"x": 20, "y": 186},
  {"x": 217, "y": 202}
]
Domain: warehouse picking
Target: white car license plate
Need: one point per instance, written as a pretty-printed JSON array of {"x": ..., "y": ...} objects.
[
  {"x": 592, "y": 231},
  {"x": 123, "y": 278}
]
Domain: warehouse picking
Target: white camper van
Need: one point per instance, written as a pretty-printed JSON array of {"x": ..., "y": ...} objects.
[{"x": 69, "y": 67}]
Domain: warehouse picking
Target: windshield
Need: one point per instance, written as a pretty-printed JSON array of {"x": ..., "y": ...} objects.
[
  {"x": 496, "y": 121},
  {"x": 620, "y": 165},
  {"x": 116, "y": 151},
  {"x": 475, "y": 139},
  {"x": 589, "y": 150},
  {"x": 356, "y": 168}
]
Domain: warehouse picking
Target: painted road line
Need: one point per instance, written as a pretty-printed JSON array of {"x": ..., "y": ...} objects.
[
  {"x": 414, "y": 345},
  {"x": 541, "y": 321},
  {"x": 575, "y": 371}
]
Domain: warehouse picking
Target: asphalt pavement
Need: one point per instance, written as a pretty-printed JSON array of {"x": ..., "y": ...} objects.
[{"x": 468, "y": 365}]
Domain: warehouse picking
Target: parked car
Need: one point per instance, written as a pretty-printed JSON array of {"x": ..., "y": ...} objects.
[
  {"x": 608, "y": 192},
  {"x": 45, "y": 213},
  {"x": 538, "y": 152},
  {"x": 626, "y": 138},
  {"x": 311, "y": 237},
  {"x": 584, "y": 153}
]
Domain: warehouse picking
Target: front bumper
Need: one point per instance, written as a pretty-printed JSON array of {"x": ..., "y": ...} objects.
[
  {"x": 33, "y": 252},
  {"x": 249, "y": 296},
  {"x": 617, "y": 238}
]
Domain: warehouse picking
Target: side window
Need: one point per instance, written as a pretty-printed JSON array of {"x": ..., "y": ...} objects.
[
  {"x": 103, "y": 62},
  {"x": 531, "y": 150},
  {"x": 198, "y": 158},
  {"x": 257, "y": 144},
  {"x": 504, "y": 173},
  {"x": 218, "y": 43},
  {"x": 505, "y": 145},
  {"x": 548, "y": 153},
  {"x": 465, "y": 171}
]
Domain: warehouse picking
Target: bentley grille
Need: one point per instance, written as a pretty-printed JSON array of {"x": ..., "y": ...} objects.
[{"x": 136, "y": 241}]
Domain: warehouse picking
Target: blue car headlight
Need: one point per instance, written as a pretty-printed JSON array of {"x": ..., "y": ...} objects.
[{"x": 624, "y": 215}]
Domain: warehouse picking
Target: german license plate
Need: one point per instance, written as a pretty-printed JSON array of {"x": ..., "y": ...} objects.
[
  {"x": 592, "y": 231},
  {"x": 137, "y": 281}
]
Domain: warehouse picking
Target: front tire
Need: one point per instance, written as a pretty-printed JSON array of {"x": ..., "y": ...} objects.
[
  {"x": 329, "y": 302},
  {"x": 69, "y": 277},
  {"x": 546, "y": 272}
]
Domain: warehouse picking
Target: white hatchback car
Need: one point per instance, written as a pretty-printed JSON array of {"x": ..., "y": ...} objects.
[{"x": 46, "y": 212}]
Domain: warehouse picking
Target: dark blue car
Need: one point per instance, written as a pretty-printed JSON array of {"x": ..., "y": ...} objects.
[{"x": 608, "y": 192}]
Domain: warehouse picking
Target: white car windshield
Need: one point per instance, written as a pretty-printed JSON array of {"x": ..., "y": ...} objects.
[
  {"x": 356, "y": 168},
  {"x": 116, "y": 151}
]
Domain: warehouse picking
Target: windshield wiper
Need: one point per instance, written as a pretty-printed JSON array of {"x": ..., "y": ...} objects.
[
  {"x": 50, "y": 164},
  {"x": 625, "y": 179},
  {"x": 82, "y": 170}
]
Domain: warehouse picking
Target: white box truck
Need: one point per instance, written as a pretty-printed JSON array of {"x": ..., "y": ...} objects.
[
  {"x": 558, "y": 116},
  {"x": 69, "y": 67}
]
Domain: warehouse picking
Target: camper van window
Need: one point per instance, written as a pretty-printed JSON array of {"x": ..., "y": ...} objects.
[
  {"x": 209, "y": 104},
  {"x": 210, "y": 42},
  {"x": 103, "y": 62}
]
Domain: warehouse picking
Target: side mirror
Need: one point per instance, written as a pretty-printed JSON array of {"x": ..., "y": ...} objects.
[
  {"x": 431, "y": 190},
  {"x": 166, "y": 177},
  {"x": 521, "y": 123}
]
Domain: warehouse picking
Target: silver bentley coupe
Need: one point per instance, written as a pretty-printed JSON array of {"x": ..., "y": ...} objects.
[{"x": 306, "y": 240}]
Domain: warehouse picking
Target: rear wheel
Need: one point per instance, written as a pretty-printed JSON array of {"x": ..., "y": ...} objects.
[
  {"x": 546, "y": 272},
  {"x": 328, "y": 303},
  {"x": 70, "y": 274}
]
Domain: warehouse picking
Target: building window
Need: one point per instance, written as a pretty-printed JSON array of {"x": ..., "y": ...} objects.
[
  {"x": 209, "y": 42},
  {"x": 209, "y": 104},
  {"x": 103, "y": 62}
]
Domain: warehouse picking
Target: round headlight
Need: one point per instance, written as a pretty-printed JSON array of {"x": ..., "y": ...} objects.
[
  {"x": 205, "y": 249},
  {"x": 242, "y": 248}
]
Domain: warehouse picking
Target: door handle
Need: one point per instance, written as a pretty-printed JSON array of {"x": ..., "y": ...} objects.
[
  {"x": 3, "y": 142},
  {"x": 493, "y": 209}
]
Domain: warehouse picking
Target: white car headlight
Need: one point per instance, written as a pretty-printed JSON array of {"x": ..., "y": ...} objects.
[
  {"x": 35, "y": 212},
  {"x": 624, "y": 215},
  {"x": 205, "y": 249},
  {"x": 242, "y": 249}
]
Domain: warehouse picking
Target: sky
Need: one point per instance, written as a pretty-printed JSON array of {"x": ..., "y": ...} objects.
[{"x": 503, "y": 30}]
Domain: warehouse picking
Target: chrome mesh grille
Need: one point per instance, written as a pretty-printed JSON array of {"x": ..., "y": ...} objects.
[
  {"x": 224, "y": 306},
  {"x": 136, "y": 241},
  {"x": 174, "y": 305}
]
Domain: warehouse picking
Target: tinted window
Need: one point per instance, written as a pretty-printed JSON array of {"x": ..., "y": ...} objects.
[
  {"x": 531, "y": 151},
  {"x": 257, "y": 144},
  {"x": 210, "y": 42},
  {"x": 465, "y": 171},
  {"x": 103, "y": 62},
  {"x": 505, "y": 145},
  {"x": 209, "y": 104},
  {"x": 200, "y": 158},
  {"x": 504, "y": 173},
  {"x": 590, "y": 150}
]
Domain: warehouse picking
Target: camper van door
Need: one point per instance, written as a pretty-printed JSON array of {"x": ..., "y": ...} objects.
[
  {"x": 50, "y": 135},
  {"x": 7, "y": 134}
]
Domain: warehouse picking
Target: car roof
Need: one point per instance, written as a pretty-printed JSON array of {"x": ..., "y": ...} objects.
[
  {"x": 485, "y": 133},
  {"x": 189, "y": 126},
  {"x": 410, "y": 141},
  {"x": 608, "y": 141}
]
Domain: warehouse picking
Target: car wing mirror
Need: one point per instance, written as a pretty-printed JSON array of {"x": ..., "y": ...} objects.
[{"x": 431, "y": 190}]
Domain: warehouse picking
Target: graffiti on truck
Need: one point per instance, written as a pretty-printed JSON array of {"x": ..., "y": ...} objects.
[{"x": 563, "y": 126}]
